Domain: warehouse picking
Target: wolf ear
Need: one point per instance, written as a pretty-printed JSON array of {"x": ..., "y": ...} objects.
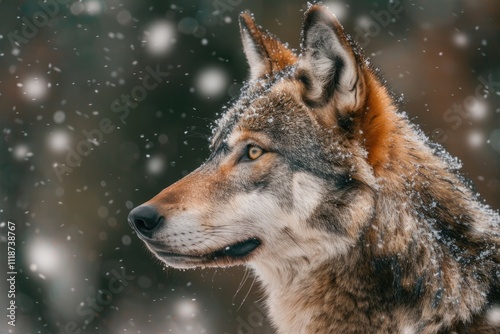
[
  {"x": 328, "y": 67},
  {"x": 266, "y": 55}
]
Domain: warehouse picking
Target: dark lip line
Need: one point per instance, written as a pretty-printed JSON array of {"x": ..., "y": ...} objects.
[
  {"x": 168, "y": 254},
  {"x": 215, "y": 255}
]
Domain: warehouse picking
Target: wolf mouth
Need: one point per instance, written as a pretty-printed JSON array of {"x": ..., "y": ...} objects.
[{"x": 234, "y": 251}]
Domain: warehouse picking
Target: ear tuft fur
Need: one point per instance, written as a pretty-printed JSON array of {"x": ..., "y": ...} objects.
[{"x": 328, "y": 60}]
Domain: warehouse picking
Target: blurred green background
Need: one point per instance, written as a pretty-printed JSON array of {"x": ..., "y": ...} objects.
[{"x": 67, "y": 72}]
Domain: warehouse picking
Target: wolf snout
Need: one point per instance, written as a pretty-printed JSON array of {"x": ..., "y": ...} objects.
[{"x": 145, "y": 220}]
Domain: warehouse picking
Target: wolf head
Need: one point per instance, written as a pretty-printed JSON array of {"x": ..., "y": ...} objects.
[{"x": 293, "y": 164}]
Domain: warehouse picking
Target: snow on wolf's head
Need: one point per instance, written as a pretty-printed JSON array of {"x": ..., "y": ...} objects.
[{"x": 292, "y": 169}]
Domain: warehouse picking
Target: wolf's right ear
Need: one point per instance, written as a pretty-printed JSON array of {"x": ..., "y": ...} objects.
[
  {"x": 328, "y": 66},
  {"x": 266, "y": 55}
]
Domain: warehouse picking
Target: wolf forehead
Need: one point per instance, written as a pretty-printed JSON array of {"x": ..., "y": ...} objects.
[{"x": 269, "y": 110}]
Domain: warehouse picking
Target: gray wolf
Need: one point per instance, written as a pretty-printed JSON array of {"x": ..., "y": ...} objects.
[{"x": 352, "y": 221}]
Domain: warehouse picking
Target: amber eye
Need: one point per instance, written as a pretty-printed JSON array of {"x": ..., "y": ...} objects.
[{"x": 254, "y": 152}]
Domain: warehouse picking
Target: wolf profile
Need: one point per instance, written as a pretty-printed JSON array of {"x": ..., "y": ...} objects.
[{"x": 352, "y": 221}]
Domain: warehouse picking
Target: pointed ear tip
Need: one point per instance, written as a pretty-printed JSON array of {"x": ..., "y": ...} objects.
[
  {"x": 244, "y": 14},
  {"x": 319, "y": 11},
  {"x": 316, "y": 8},
  {"x": 246, "y": 19}
]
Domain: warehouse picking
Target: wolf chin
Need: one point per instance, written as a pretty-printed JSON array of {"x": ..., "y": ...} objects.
[{"x": 352, "y": 221}]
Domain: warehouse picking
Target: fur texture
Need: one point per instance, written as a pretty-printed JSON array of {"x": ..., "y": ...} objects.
[{"x": 351, "y": 219}]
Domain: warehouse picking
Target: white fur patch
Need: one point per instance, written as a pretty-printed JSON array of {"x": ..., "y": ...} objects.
[
  {"x": 233, "y": 138},
  {"x": 255, "y": 61},
  {"x": 307, "y": 194},
  {"x": 409, "y": 330}
]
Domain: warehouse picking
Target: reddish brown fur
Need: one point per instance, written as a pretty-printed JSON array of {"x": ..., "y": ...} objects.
[
  {"x": 378, "y": 125},
  {"x": 278, "y": 55}
]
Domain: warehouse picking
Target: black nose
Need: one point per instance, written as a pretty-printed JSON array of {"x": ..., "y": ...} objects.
[{"x": 145, "y": 220}]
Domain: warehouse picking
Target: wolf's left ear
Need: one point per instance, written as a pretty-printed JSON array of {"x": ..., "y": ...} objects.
[
  {"x": 328, "y": 67},
  {"x": 266, "y": 55}
]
